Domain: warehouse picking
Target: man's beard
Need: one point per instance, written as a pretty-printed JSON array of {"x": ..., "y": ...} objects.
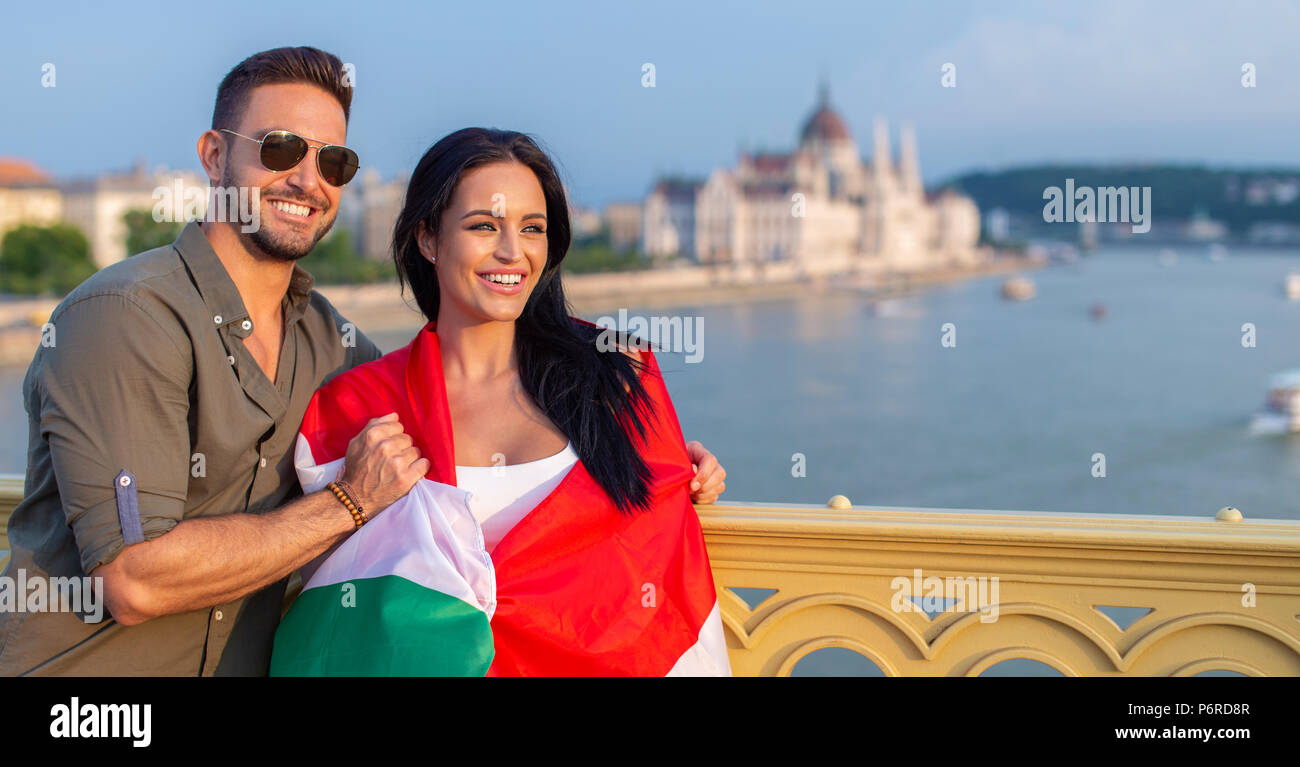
[{"x": 281, "y": 247}]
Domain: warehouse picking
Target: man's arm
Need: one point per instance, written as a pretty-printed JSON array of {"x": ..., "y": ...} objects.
[
  {"x": 709, "y": 482},
  {"x": 114, "y": 401},
  {"x": 208, "y": 561}
]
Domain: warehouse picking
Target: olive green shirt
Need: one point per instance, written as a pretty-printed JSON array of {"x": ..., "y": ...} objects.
[{"x": 145, "y": 409}]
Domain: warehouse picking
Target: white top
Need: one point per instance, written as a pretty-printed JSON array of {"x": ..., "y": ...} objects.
[{"x": 500, "y": 496}]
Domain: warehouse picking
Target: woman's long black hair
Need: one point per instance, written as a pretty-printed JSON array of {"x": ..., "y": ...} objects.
[{"x": 595, "y": 397}]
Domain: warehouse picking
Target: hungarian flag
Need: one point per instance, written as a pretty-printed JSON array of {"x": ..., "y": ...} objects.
[{"x": 576, "y": 588}]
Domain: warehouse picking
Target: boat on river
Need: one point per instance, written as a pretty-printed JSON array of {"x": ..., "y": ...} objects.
[
  {"x": 1281, "y": 411},
  {"x": 1019, "y": 289},
  {"x": 1293, "y": 286}
]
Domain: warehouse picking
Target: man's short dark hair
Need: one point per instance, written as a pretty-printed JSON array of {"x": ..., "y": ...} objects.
[{"x": 303, "y": 64}]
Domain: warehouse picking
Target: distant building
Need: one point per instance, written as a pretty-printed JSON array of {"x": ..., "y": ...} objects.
[
  {"x": 1201, "y": 227},
  {"x": 583, "y": 222},
  {"x": 623, "y": 219},
  {"x": 1088, "y": 234},
  {"x": 1273, "y": 233},
  {"x": 820, "y": 206},
  {"x": 368, "y": 208},
  {"x": 668, "y": 219},
  {"x": 372, "y": 210},
  {"x": 998, "y": 225},
  {"x": 97, "y": 205},
  {"x": 1267, "y": 190},
  {"x": 27, "y": 195}
]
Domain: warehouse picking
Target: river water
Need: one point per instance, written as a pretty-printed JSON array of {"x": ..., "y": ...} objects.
[{"x": 1011, "y": 416}]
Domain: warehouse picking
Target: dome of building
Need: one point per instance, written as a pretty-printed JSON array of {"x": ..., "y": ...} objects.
[{"x": 825, "y": 124}]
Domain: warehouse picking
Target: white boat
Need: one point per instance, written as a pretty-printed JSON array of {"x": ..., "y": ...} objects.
[
  {"x": 1019, "y": 289},
  {"x": 1281, "y": 411},
  {"x": 887, "y": 307},
  {"x": 1293, "y": 286}
]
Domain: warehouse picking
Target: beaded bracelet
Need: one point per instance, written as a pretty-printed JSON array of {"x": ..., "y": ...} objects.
[{"x": 343, "y": 492}]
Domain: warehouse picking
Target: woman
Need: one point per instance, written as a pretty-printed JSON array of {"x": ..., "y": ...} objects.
[{"x": 554, "y": 532}]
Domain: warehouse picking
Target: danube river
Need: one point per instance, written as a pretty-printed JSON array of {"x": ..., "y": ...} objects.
[
  {"x": 1022, "y": 410},
  {"x": 1017, "y": 414},
  {"x": 1011, "y": 415}
]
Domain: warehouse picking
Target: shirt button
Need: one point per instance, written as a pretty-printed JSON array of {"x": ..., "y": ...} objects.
[
  {"x": 124, "y": 481},
  {"x": 217, "y": 615},
  {"x": 263, "y": 463},
  {"x": 217, "y": 319},
  {"x": 230, "y": 358},
  {"x": 246, "y": 325}
]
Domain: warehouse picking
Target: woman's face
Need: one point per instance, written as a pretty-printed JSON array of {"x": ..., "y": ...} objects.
[{"x": 491, "y": 246}]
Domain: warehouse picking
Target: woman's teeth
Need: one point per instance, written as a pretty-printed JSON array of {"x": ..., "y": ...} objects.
[
  {"x": 297, "y": 210},
  {"x": 503, "y": 279}
]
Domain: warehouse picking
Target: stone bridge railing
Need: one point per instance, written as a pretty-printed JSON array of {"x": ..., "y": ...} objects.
[{"x": 921, "y": 592}]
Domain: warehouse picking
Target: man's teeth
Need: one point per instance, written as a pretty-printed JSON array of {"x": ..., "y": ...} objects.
[
  {"x": 297, "y": 210},
  {"x": 504, "y": 279}
]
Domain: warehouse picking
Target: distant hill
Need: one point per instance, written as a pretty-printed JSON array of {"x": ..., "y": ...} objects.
[{"x": 1238, "y": 197}]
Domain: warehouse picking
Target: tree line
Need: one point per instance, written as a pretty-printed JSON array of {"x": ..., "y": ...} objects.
[
  {"x": 52, "y": 260},
  {"x": 1178, "y": 192}
]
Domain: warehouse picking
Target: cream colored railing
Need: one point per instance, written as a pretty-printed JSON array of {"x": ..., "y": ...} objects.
[
  {"x": 1220, "y": 594},
  {"x": 1196, "y": 593}
]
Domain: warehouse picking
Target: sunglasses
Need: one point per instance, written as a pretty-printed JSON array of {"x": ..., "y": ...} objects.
[{"x": 282, "y": 150}]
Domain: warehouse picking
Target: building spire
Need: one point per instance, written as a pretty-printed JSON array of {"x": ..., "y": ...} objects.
[
  {"x": 823, "y": 93},
  {"x": 881, "y": 163},
  {"x": 909, "y": 166}
]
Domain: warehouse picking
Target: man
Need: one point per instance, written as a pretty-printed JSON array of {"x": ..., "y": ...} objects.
[{"x": 162, "y": 419}]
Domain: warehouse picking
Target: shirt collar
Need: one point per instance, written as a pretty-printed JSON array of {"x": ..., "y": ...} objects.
[
  {"x": 300, "y": 286},
  {"x": 219, "y": 292}
]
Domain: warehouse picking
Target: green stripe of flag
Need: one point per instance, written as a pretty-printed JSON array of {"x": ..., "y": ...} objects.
[{"x": 387, "y": 626}]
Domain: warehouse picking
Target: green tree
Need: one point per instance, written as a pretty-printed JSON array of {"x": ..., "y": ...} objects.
[
  {"x": 1178, "y": 192},
  {"x": 41, "y": 259},
  {"x": 595, "y": 254},
  {"x": 143, "y": 233},
  {"x": 335, "y": 261}
]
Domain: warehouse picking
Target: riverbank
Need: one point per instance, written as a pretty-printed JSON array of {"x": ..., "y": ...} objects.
[
  {"x": 381, "y": 307},
  {"x": 377, "y": 308}
]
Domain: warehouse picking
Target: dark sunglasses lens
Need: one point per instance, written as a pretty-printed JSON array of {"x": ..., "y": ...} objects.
[
  {"x": 282, "y": 150},
  {"x": 338, "y": 164}
]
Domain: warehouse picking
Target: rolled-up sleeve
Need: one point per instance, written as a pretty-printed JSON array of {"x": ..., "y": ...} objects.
[{"x": 114, "y": 408}]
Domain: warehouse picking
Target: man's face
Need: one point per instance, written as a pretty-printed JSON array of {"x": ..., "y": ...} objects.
[{"x": 314, "y": 114}]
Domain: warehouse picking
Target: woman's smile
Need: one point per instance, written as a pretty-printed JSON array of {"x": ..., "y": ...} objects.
[{"x": 506, "y": 282}]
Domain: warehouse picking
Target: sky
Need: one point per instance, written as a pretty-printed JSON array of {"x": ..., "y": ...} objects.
[{"x": 1106, "y": 81}]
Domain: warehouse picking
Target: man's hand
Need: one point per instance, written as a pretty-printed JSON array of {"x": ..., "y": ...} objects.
[
  {"x": 709, "y": 474},
  {"x": 382, "y": 464}
]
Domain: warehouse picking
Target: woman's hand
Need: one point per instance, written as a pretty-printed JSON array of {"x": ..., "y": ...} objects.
[{"x": 709, "y": 474}]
